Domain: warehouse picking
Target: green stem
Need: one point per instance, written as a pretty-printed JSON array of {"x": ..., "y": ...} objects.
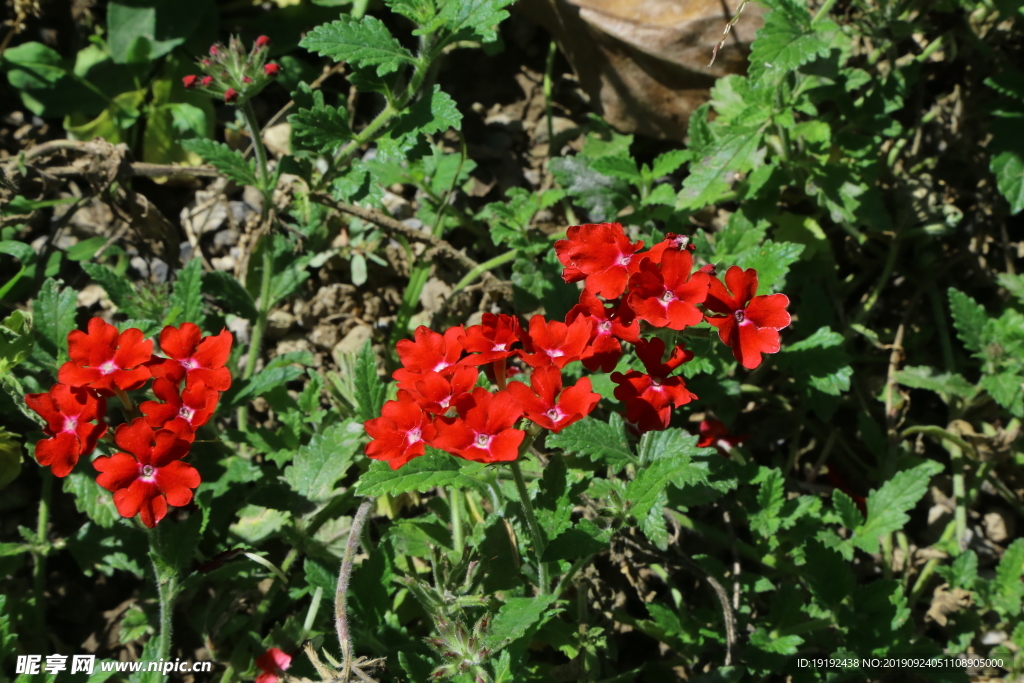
[
  {"x": 929, "y": 567},
  {"x": 940, "y": 325},
  {"x": 883, "y": 280},
  {"x": 549, "y": 67},
  {"x": 166, "y": 589},
  {"x": 822, "y": 11},
  {"x": 41, "y": 550},
  {"x": 261, "y": 155},
  {"x": 417, "y": 280},
  {"x": 531, "y": 521},
  {"x": 455, "y": 503},
  {"x": 369, "y": 133},
  {"x": 261, "y": 323},
  {"x": 490, "y": 264}
]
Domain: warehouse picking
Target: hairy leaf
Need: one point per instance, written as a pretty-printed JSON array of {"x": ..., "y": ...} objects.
[
  {"x": 888, "y": 505},
  {"x": 362, "y": 42},
  {"x": 324, "y": 460},
  {"x": 226, "y": 160}
]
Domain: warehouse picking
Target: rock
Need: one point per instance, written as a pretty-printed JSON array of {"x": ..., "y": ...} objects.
[
  {"x": 397, "y": 206},
  {"x": 225, "y": 263},
  {"x": 324, "y": 336},
  {"x": 279, "y": 322},
  {"x": 353, "y": 341},
  {"x": 278, "y": 139},
  {"x": 90, "y": 295},
  {"x": 999, "y": 526},
  {"x": 293, "y": 343},
  {"x": 226, "y": 238}
]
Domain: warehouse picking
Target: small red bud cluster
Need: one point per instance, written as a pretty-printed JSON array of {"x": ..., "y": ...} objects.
[
  {"x": 440, "y": 405},
  {"x": 148, "y": 473},
  {"x": 233, "y": 73}
]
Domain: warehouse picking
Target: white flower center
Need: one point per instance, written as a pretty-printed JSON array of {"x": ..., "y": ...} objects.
[
  {"x": 625, "y": 259},
  {"x": 189, "y": 363},
  {"x": 555, "y": 414},
  {"x": 70, "y": 424},
  {"x": 186, "y": 413},
  {"x": 499, "y": 347},
  {"x": 605, "y": 326},
  {"x": 739, "y": 315},
  {"x": 554, "y": 353},
  {"x": 107, "y": 367},
  {"x": 668, "y": 297},
  {"x": 440, "y": 366},
  {"x": 413, "y": 435},
  {"x": 147, "y": 473},
  {"x": 483, "y": 441}
]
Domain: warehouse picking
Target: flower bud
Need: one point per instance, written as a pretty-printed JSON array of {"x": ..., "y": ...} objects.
[
  {"x": 262, "y": 42},
  {"x": 246, "y": 80},
  {"x": 207, "y": 80},
  {"x": 190, "y": 80},
  {"x": 231, "y": 95},
  {"x": 271, "y": 69},
  {"x": 214, "y": 50}
]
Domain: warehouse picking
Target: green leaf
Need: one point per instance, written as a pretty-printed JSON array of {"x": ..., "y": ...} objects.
[
  {"x": 969, "y": 317},
  {"x": 187, "y": 295},
  {"x": 618, "y": 167},
  {"x": 226, "y": 160},
  {"x": 770, "y": 499},
  {"x": 597, "y": 440},
  {"x": 945, "y": 384},
  {"x": 963, "y": 572},
  {"x": 1008, "y": 588},
  {"x": 118, "y": 288},
  {"x": 583, "y": 539},
  {"x": 599, "y": 194},
  {"x": 370, "y": 390},
  {"x": 279, "y": 371},
  {"x": 54, "y": 316},
  {"x": 24, "y": 253},
  {"x": 653, "y": 523},
  {"x": 829, "y": 576},
  {"x": 176, "y": 544},
  {"x": 713, "y": 172},
  {"x": 1007, "y": 158},
  {"x": 673, "y": 462},
  {"x": 433, "y": 113},
  {"x": 515, "y": 618},
  {"x": 144, "y": 30},
  {"x": 13, "y": 388},
  {"x": 781, "y": 645},
  {"x": 91, "y": 499},
  {"x": 318, "y": 465},
  {"x": 230, "y": 291},
  {"x": 474, "y": 19},
  {"x": 785, "y": 42},
  {"x": 669, "y": 162},
  {"x": 555, "y": 498},
  {"x": 16, "y": 339},
  {"x": 320, "y": 128},
  {"x": 362, "y": 42},
  {"x": 888, "y": 505},
  {"x": 419, "y": 474},
  {"x": 46, "y": 84},
  {"x": 820, "y": 362},
  {"x": 849, "y": 513},
  {"x": 771, "y": 260}
]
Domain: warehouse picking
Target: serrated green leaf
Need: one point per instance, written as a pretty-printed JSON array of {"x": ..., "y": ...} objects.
[
  {"x": 118, "y": 288},
  {"x": 946, "y": 384},
  {"x": 419, "y": 474},
  {"x": 820, "y": 362},
  {"x": 583, "y": 539},
  {"x": 1006, "y": 388},
  {"x": 1009, "y": 589},
  {"x": 618, "y": 167},
  {"x": 554, "y": 501},
  {"x": 969, "y": 317},
  {"x": 781, "y": 645},
  {"x": 674, "y": 465},
  {"x": 370, "y": 390},
  {"x": 713, "y": 172},
  {"x": 320, "y": 128},
  {"x": 230, "y": 291},
  {"x": 433, "y": 113},
  {"x": 597, "y": 440},
  {"x": 474, "y": 19},
  {"x": 599, "y": 194},
  {"x": 363, "y": 42},
  {"x": 318, "y": 465},
  {"x": 175, "y": 544},
  {"x": 1014, "y": 283},
  {"x": 668, "y": 162},
  {"x": 279, "y": 371},
  {"x": 771, "y": 260},
  {"x": 829, "y": 576},
  {"x": 770, "y": 498},
  {"x": 16, "y": 339},
  {"x": 848, "y": 511},
  {"x": 230, "y": 163},
  {"x": 963, "y": 572},
  {"x": 187, "y": 295},
  {"x": 888, "y": 505},
  {"x": 91, "y": 499},
  {"x": 53, "y": 313},
  {"x": 653, "y": 524},
  {"x": 515, "y": 618},
  {"x": 786, "y": 42}
]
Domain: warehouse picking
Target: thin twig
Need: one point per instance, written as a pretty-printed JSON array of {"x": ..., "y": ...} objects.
[
  {"x": 727, "y": 613},
  {"x": 389, "y": 224}
]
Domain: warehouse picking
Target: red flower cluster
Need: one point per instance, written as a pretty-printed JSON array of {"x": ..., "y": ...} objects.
[
  {"x": 149, "y": 474},
  {"x": 439, "y": 404}
]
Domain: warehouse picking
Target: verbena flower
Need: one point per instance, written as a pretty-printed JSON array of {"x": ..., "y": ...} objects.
[
  {"x": 547, "y": 404},
  {"x": 272, "y": 665},
  {"x": 193, "y": 357},
  {"x": 492, "y": 339},
  {"x": 400, "y": 434},
  {"x": 484, "y": 429},
  {"x": 600, "y": 253},
  {"x": 194, "y": 406},
  {"x": 550, "y": 342},
  {"x": 650, "y": 396},
  {"x": 69, "y": 413},
  {"x": 750, "y": 324},
  {"x": 611, "y": 325},
  {"x": 428, "y": 351},
  {"x": 436, "y": 393},
  {"x": 149, "y": 475},
  {"x": 667, "y": 295},
  {"x": 106, "y": 360}
]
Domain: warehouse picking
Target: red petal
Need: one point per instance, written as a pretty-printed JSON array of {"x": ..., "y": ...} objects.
[
  {"x": 213, "y": 352},
  {"x": 180, "y": 343},
  {"x": 46, "y": 405},
  {"x": 117, "y": 471},
  {"x": 76, "y": 376},
  {"x": 60, "y": 453},
  {"x": 176, "y": 481},
  {"x": 768, "y": 311},
  {"x": 133, "y": 349},
  {"x": 136, "y": 438}
]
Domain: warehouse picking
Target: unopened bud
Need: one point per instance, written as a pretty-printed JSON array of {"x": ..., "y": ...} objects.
[
  {"x": 190, "y": 80},
  {"x": 271, "y": 69},
  {"x": 214, "y": 50},
  {"x": 231, "y": 95},
  {"x": 246, "y": 80},
  {"x": 207, "y": 80},
  {"x": 262, "y": 41}
]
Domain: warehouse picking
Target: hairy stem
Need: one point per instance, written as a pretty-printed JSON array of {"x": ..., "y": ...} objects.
[
  {"x": 484, "y": 267},
  {"x": 344, "y": 575},
  {"x": 455, "y": 503},
  {"x": 261, "y": 155},
  {"x": 261, "y": 323},
  {"x": 166, "y": 590},
  {"x": 42, "y": 550}
]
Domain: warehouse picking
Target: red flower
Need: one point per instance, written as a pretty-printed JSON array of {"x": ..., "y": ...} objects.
[
  {"x": 672, "y": 242},
  {"x": 601, "y": 253},
  {"x": 230, "y": 95},
  {"x": 714, "y": 433},
  {"x": 553, "y": 342},
  {"x": 69, "y": 412},
  {"x": 190, "y": 80},
  {"x": 399, "y": 434},
  {"x": 246, "y": 80},
  {"x": 191, "y": 355},
  {"x": 750, "y": 324},
  {"x": 214, "y": 49},
  {"x": 272, "y": 663},
  {"x": 429, "y": 351},
  {"x": 106, "y": 360},
  {"x": 668, "y": 296},
  {"x": 610, "y": 325},
  {"x": 271, "y": 69},
  {"x": 541, "y": 405},
  {"x": 207, "y": 80},
  {"x": 649, "y": 397},
  {"x": 483, "y": 431},
  {"x": 435, "y": 393},
  {"x": 261, "y": 42},
  {"x": 491, "y": 340},
  {"x": 150, "y": 475},
  {"x": 194, "y": 406}
]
